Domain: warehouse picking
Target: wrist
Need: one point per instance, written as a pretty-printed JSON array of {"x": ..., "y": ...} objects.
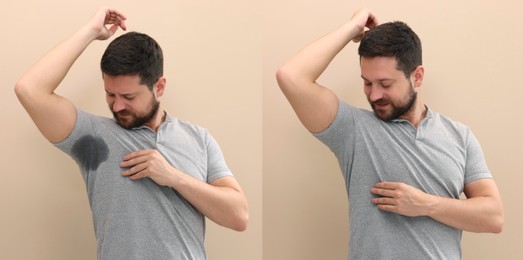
[{"x": 431, "y": 205}]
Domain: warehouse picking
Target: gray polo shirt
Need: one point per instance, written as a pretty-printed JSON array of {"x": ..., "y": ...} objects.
[
  {"x": 140, "y": 219},
  {"x": 439, "y": 157}
]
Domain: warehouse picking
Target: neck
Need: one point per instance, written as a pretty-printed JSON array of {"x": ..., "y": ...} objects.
[
  {"x": 157, "y": 120},
  {"x": 416, "y": 114}
]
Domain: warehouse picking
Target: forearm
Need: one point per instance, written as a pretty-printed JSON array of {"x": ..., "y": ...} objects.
[
  {"x": 309, "y": 63},
  {"x": 481, "y": 211},
  {"x": 314, "y": 104},
  {"x": 44, "y": 77},
  {"x": 478, "y": 214},
  {"x": 226, "y": 206}
]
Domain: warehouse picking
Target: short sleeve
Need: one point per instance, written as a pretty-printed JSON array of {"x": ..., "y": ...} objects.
[
  {"x": 476, "y": 167},
  {"x": 83, "y": 126},
  {"x": 340, "y": 132},
  {"x": 216, "y": 166}
]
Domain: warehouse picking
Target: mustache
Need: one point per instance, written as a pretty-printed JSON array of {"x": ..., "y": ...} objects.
[
  {"x": 380, "y": 101},
  {"x": 122, "y": 113}
]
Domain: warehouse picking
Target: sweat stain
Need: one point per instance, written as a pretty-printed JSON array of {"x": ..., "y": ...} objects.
[{"x": 90, "y": 152}]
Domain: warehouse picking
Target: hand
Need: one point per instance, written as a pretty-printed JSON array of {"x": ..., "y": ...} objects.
[
  {"x": 149, "y": 163},
  {"x": 364, "y": 20},
  {"x": 105, "y": 16},
  {"x": 401, "y": 198}
]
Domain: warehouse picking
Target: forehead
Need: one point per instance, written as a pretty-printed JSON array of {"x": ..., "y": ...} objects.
[
  {"x": 376, "y": 68},
  {"x": 123, "y": 83}
]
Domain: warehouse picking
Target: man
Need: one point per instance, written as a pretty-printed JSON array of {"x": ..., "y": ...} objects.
[
  {"x": 404, "y": 165},
  {"x": 151, "y": 178}
]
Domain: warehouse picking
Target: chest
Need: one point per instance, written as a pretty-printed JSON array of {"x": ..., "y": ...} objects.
[{"x": 430, "y": 159}]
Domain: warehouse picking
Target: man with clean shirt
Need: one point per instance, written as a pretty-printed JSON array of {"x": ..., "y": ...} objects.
[{"x": 404, "y": 165}]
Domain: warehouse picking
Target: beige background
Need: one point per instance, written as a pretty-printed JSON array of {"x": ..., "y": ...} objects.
[
  {"x": 472, "y": 55},
  {"x": 213, "y": 68},
  {"x": 221, "y": 57}
]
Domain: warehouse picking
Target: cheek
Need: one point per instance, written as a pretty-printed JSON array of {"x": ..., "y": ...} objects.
[
  {"x": 367, "y": 91},
  {"x": 109, "y": 100}
]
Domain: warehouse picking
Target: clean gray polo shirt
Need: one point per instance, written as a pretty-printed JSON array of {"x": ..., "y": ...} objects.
[
  {"x": 439, "y": 157},
  {"x": 140, "y": 219}
]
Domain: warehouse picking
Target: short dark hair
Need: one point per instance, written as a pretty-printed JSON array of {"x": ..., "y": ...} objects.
[
  {"x": 134, "y": 53},
  {"x": 393, "y": 39}
]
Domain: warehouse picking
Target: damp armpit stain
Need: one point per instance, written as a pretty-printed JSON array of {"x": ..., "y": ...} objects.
[{"x": 90, "y": 152}]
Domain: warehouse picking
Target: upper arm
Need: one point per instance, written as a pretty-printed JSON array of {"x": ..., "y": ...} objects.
[
  {"x": 55, "y": 116},
  {"x": 227, "y": 182},
  {"x": 482, "y": 188},
  {"x": 485, "y": 188},
  {"x": 316, "y": 106},
  {"x": 486, "y": 193}
]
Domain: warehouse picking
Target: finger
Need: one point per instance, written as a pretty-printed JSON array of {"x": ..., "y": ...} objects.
[
  {"x": 357, "y": 38},
  {"x": 113, "y": 20},
  {"x": 136, "y": 154},
  {"x": 123, "y": 25},
  {"x": 112, "y": 29},
  {"x": 138, "y": 176},
  {"x": 384, "y": 192},
  {"x": 383, "y": 201},
  {"x": 134, "y": 161},
  {"x": 389, "y": 208},
  {"x": 137, "y": 169},
  {"x": 372, "y": 21},
  {"x": 113, "y": 16},
  {"x": 387, "y": 185},
  {"x": 129, "y": 162},
  {"x": 113, "y": 13}
]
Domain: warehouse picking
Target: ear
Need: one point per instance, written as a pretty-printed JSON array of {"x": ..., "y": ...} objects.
[
  {"x": 159, "y": 88},
  {"x": 417, "y": 76}
]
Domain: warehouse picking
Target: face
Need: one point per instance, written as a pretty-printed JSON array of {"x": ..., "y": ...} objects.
[
  {"x": 390, "y": 94},
  {"x": 131, "y": 103}
]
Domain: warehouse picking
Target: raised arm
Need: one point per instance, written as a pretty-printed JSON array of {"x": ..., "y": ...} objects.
[
  {"x": 315, "y": 105},
  {"x": 54, "y": 115}
]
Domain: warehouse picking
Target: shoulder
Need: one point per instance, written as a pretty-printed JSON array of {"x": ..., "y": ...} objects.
[
  {"x": 184, "y": 125},
  {"x": 450, "y": 124},
  {"x": 187, "y": 130},
  {"x": 348, "y": 116},
  {"x": 453, "y": 129},
  {"x": 86, "y": 116}
]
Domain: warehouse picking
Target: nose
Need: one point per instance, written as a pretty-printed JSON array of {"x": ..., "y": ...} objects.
[
  {"x": 375, "y": 94},
  {"x": 118, "y": 104}
]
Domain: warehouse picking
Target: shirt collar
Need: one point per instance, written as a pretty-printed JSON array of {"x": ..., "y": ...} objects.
[
  {"x": 429, "y": 115},
  {"x": 168, "y": 119}
]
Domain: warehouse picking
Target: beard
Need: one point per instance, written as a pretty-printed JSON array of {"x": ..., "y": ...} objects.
[
  {"x": 398, "y": 109},
  {"x": 135, "y": 120}
]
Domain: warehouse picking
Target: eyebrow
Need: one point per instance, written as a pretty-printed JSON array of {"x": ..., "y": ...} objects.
[
  {"x": 380, "y": 80},
  {"x": 122, "y": 94}
]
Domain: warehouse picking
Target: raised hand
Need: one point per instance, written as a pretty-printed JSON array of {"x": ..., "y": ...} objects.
[
  {"x": 364, "y": 20},
  {"x": 107, "y": 16}
]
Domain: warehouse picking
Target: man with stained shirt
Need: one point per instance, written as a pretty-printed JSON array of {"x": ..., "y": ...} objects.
[{"x": 151, "y": 178}]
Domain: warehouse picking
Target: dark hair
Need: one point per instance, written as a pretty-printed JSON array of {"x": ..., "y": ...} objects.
[
  {"x": 394, "y": 39},
  {"x": 134, "y": 54}
]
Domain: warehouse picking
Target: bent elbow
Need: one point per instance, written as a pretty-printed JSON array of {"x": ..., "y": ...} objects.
[
  {"x": 494, "y": 224},
  {"x": 19, "y": 89},
  {"x": 241, "y": 222},
  {"x": 23, "y": 92},
  {"x": 285, "y": 78},
  {"x": 497, "y": 226}
]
